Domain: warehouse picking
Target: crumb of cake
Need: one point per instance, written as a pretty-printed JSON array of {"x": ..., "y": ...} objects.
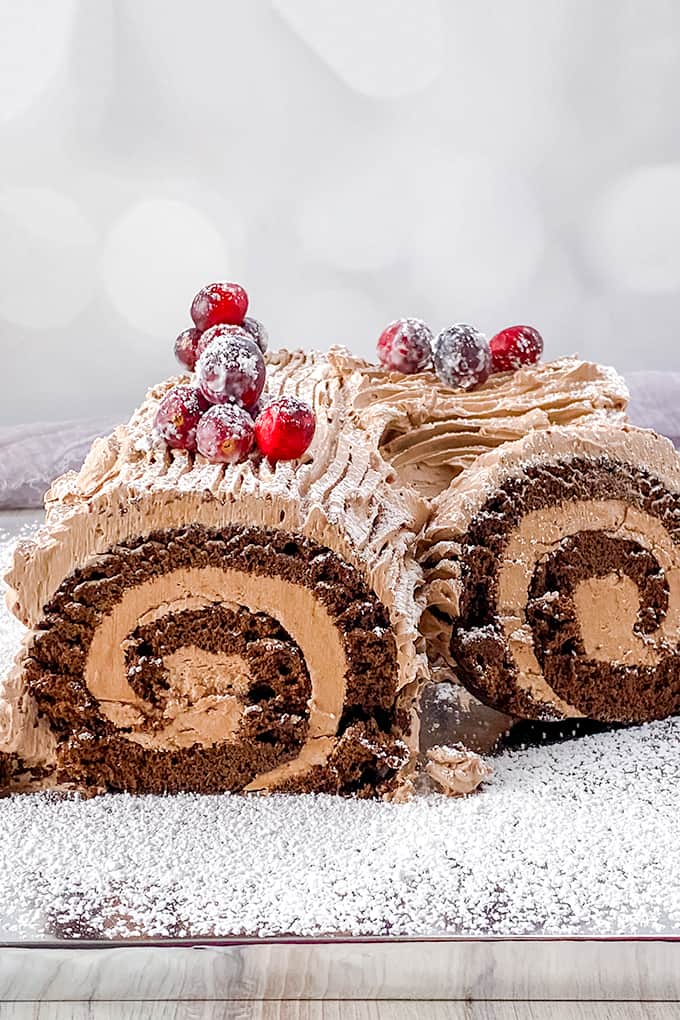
[{"x": 456, "y": 771}]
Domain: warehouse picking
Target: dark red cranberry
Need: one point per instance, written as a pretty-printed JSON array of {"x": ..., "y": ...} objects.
[
  {"x": 231, "y": 369},
  {"x": 285, "y": 428},
  {"x": 225, "y": 434},
  {"x": 219, "y": 302},
  {"x": 257, "y": 332},
  {"x": 514, "y": 347},
  {"x": 217, "y": 331},
  {"x": 405, "y": 346},
  {"x": 186, "y": 348},
  {"x": 177, "y": 417},
  {"x": 462, "y": 358}
]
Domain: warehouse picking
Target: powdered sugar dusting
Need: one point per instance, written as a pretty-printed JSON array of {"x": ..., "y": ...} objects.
[
  {"x": 572, "y": 838},
  {"x": 578, "y": 837}
]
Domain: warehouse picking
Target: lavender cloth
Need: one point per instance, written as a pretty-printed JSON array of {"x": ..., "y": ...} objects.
[
  {"x": 32, "y": 455},
  {"x": 655, "y": 402}
]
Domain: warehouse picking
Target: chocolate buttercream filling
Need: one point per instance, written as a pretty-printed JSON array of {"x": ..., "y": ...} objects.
[
  {"x": 562, "y": 650},
  {"x": 205, "y": 693}
]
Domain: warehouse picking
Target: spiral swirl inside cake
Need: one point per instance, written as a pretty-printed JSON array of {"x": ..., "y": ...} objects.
[
  {"x": 570, "y": 593},
  {"x": 240, "y": 658}
]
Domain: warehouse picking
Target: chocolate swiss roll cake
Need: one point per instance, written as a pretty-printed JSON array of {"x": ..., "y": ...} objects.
[
  {"x": 208, "y": 627},
  {"x": 559, "y": 567},
  {"x": 436, "y": 565}
]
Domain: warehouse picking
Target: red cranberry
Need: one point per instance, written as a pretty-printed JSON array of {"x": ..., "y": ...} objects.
[
  {"x": 257, "y": 408},
  {"x": 462, "y": 357},
  {"x": 405, "y": 346},
  {"x": 219, "y": 302},
  {"x": 231, "y": 369},
  {"x": 285, "y": 428},
  {"x": 514, "y": 347},
  {"x": 225, "y": 434},
  {"x": 216, "y": 331},
  {"x": 186, "y": 348},
  {"x": 257, "y": 332},
  {"x": 177, "y": 417}
]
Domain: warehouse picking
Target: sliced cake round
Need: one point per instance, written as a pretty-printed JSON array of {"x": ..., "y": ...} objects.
[
  {"x": 209, "y": 627},
  {"x": 561, "y": 589}
]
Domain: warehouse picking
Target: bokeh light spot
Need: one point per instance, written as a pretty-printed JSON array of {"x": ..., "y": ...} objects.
[
  {"x": 633, "y": 239},
  {"x": 156, "y": 256},
  {"x": 47, "y": 254}
]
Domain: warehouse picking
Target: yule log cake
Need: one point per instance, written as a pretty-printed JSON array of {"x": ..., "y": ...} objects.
[{"x": 252, "y": 585}]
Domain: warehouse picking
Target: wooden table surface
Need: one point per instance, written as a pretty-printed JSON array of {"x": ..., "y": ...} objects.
[{"x": 386, "y": 1010}]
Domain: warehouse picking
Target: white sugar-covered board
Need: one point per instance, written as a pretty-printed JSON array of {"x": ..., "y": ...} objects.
[
  {"x": 574, "y": 838},
  {"x": 579, "y": 838}
]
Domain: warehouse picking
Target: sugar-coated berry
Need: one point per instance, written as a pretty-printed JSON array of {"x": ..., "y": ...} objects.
[
  {"x": 216, "y": 331},
  {"x": 285, "y": 428},
  {"x": 462, "y": 358},
  {"x": 177, "y": 417},
  {"x": 264, "y": 401},
  {"x": 186, "y": 348},
  {"x": 514, "y": 347},
  {"x": 231, "y": 369},
  {"x": 219, "y": 302},
  {"x": 225, "y": 434},
  {"x": 257, "y": 332},
  {"x": 405, "y": 346}
]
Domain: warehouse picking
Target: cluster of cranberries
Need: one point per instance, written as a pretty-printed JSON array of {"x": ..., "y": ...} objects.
[
  {"x": 223, "y": 414},
  {"x": 461, "y": 356}
]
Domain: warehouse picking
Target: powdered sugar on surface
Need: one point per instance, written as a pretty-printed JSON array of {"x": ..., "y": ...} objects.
[
  {"x": 575, "y": 838},
  {"x": 580, "y": 837}
]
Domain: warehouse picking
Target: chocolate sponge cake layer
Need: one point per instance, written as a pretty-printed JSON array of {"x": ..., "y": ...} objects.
[
  {"x": 183, "y": 663},
  {"x": 572, "y": 566}
]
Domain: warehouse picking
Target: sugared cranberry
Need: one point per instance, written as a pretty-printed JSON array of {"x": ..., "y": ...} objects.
[
  {"x": 219, "y": 302},
  {"x": 257, "y": 332},
  {"x": 285, "y": 428},
  {"x": 514, "y": 347},
  {"x": 257, "y": 408},
  {"x": 405, "y": 346},
  {"x": 186, "y": 348},
  {"x": 216, "y": 331},
  {"x": 462, "y": 357},
  {"x": 231, "y": 369},
  {"x": 177, "y": 417},
  {"x": 225, "y": 434}
]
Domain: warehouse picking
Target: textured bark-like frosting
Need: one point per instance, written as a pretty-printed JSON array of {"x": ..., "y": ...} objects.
[
  {"x": 341, "y": 495},
  {"x": 430, "y": 433},
  {"x": 384, "y": 445}
]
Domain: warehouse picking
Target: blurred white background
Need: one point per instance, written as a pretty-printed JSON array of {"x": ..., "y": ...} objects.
[{"x": 348, "y": 161}]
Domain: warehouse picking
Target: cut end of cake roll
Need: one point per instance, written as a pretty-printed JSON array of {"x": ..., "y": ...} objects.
[
  {"x": 209, "y": 627},
  {"x": 235, "y": 658},
  {"x": 562, "y": 575}
]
